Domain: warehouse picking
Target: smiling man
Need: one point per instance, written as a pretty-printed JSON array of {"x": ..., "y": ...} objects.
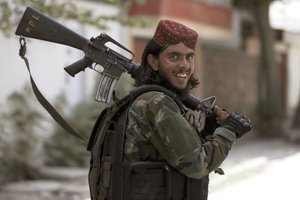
[
  {"x": 175, "y": 64},
  {"x": 158, "y": 132},
  {"x": 168, "y": 58},
  {"x": 164, "y": 156}
]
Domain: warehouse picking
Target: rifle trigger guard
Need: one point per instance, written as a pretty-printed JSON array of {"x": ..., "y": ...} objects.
[{"x": 22, "y": 50}]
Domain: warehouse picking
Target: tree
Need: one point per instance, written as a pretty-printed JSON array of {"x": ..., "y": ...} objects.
[
  {"x": 269, "y": 102},
  {"x": 296, "y": 121},
  {"x": 23, "y": 120},
  {"x": 62, "y": 149},
  {"x": 11, "y": 11},
  {"x": 22, "y": 127}
]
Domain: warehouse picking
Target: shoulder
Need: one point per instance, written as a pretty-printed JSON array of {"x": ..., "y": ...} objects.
[{"x": 155, "y": 100}]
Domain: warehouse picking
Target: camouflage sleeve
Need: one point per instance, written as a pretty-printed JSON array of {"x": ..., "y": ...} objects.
[{"x": 178, "y": 142}]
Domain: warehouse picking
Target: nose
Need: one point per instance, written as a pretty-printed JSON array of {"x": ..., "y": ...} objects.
[{"x": 184, "y": 63}]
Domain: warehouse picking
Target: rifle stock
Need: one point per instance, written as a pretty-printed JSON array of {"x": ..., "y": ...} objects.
[{"x": 34, "y": 24}]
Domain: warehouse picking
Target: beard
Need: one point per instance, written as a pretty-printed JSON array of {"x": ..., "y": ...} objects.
[{"x": 163, "y": 81}]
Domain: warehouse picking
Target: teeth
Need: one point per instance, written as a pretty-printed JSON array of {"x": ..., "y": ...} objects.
[{"x": 181, "y": 75}]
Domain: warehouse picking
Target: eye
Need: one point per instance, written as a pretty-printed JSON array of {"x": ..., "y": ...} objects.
[
  {"x": 190, "y": 57},
  {"x": 173, "y": 57}
]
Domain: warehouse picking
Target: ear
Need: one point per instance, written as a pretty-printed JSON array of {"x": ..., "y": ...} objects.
[{"x": 152, "y": 62}]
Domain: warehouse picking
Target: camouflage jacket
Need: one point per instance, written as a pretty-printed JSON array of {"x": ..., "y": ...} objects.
[{"x": 158, "y": 131}]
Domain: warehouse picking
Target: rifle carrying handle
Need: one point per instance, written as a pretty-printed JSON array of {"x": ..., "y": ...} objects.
[{"x": 78, "y": 66}]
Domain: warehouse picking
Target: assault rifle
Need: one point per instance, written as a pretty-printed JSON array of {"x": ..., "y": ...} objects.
[{"x": 36, "y": 25}]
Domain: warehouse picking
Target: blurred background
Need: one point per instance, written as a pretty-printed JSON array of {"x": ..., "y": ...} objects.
[{"x": 247, "y": 56}]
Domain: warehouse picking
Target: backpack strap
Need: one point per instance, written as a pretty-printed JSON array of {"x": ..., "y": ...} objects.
[
  {"x": 95, "y": 147},
  {"x": 105, "y": 117},
  {"x": 117, "y": 171}
]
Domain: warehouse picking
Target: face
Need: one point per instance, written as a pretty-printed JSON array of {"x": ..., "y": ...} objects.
[{"x": 175, "y": 64}]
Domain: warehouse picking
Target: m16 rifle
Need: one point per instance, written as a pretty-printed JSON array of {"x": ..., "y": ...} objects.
[{"x": 36, "y": 25}]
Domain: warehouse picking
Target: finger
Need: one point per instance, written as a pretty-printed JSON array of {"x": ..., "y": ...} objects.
[
  {"x": 222, "y": 116},
  {"x": 217, "y": 110}
]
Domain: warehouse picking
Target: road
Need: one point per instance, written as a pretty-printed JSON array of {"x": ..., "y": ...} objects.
[{"x": 260, "y": 169}]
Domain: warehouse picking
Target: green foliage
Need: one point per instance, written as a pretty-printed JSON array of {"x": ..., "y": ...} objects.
[
  {"x": 267, "y": 122},
  {"x": 12, "y": 10},
  {"x": 296, "y": 121},
  {"x": 123, "y": 86},
  {"x": 62, "y": 149},
  {"x": 28, "y": 139},
  {"x": 21, "y": 125},
  {"x": 250, "y": 4}
]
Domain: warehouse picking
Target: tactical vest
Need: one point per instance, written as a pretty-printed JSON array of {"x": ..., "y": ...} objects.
[{"x": 113, "y": 178}]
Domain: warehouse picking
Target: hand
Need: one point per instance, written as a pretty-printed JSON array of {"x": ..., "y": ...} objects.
[
  {"x": 237, "y": 123},
  {"x": 212, "y": 120},
  {"x": 221, "y": 114},
  {"x": 210, "y": 124}
]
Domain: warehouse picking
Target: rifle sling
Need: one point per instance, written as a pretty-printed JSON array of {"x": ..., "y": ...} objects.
[{"x": 43, "y": 101}]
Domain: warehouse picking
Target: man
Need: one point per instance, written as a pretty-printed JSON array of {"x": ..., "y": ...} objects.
[
  {"x": 157, "y": 130},
  {"x": 150, "y": 151}
]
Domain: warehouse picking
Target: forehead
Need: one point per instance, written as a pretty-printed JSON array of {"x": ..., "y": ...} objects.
[{"x": 179, "y": 48}]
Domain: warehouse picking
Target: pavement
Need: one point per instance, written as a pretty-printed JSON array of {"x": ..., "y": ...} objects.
[
  {"x": 58, "y": 183},
  {"x": 259, "y": 169}
]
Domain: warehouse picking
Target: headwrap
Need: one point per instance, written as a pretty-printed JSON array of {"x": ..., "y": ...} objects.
[{"x": 170, "y": 32}]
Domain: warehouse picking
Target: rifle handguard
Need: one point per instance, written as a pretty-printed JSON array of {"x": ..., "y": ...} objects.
[{"x": 194, "y": 103}]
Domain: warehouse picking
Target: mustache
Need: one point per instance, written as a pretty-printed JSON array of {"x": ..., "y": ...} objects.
[{"x": 182, "y": 70}]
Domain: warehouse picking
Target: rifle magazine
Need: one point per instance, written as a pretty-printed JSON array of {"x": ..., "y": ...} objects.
[{"x": 105, "y": 88}]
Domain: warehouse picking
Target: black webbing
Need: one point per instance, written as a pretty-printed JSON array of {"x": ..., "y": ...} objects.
[
  {"x": 43, "y": 101},
  {"x": 117, "y": 158}
]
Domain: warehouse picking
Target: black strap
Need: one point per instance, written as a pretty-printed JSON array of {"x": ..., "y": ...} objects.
[
  {"x": 43, "y": 101},
  {"x": 117, "y": 158}
]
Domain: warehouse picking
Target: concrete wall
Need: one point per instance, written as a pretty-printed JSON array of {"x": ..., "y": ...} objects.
[{"x": 231, "y": 76}]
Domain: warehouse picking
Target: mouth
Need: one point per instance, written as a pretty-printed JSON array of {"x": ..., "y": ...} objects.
[{"x": 182, "y": 75}]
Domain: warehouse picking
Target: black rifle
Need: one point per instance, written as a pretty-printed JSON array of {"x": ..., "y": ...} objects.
[{"x": 36, "y": 25}]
